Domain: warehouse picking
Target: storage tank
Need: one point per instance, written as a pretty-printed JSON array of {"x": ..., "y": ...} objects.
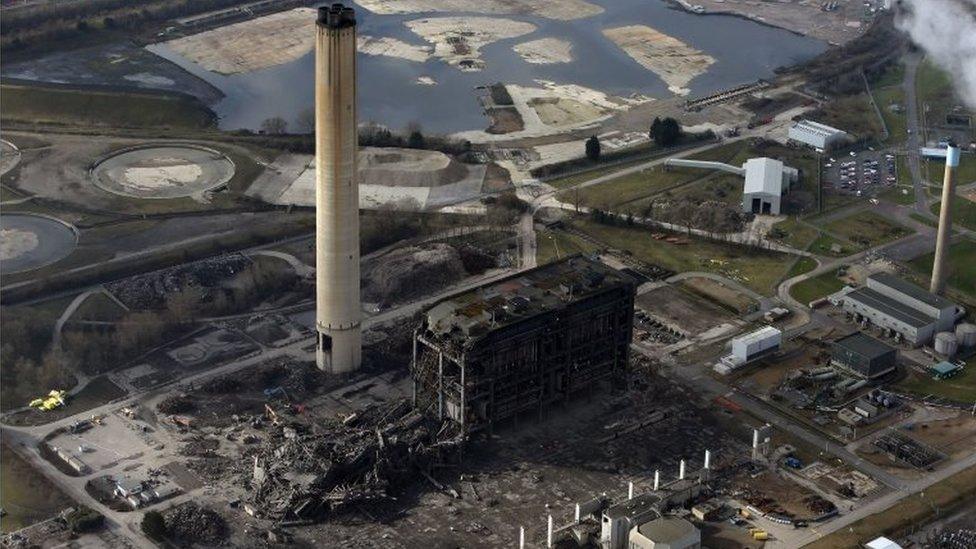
[
  {"x": 946, "y": 343},
  {"x": 966, "y": 334}
]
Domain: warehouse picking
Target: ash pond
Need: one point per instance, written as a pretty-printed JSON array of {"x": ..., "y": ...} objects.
[{"x": 442, "y": 94}]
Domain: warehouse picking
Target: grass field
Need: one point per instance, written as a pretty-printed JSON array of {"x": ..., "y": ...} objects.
[
  {"x": 867, "y": 229},
  {"x": 853, "y": 113},
  {"x": 893, "y": 75},
  {"x": 97, "y": 108},
  {"x": 553, "y": 245},
  {"x": 914, "y": 509},
  {"x": 796, "y": 234},
  {"x": 962, "y": 266},
  {"x": 960, "y": 388},
  {"x": 963, "y": 212},
  {"x": 27, "y": 496},
  {"x": 966, "y": 173},
  {"x": 891, "y": 103},
  {"x": 824, "y": 245},
  {"x": 801, "y": 266},
  {"x": 758, "y": 270},
  {"x": 816, "y": 287}
]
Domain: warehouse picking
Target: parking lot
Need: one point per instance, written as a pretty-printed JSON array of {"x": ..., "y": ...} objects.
[{"x": 866, "y": 172}]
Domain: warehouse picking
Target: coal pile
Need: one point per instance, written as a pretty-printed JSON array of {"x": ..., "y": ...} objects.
[
  {"x": 149, "y": 290},
  {"x": 191, "y": 524},
  {"x": 306, "y": 473}
]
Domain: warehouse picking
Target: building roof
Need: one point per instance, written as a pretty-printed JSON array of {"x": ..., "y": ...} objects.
[
  {"x": 911, "y": 290},
  {"x": 633, "y": 508},
  {"x": 667, "y": 530},
  {"x": 882, "y": 543},
  {"x": 758, "y": 335},
  {"x": 818, "y": 128},
  {"x": 544, "y": 289},
  {"x": 895, "y": 309},
  {"x": 945, "y": 368},
  {"x": 764, "y": 175},
  {"x": 864, "y": 345}
]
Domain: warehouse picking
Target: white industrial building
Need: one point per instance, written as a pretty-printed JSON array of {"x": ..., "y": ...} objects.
[
  {"x": 766, "y": 181},
  {"x": 817, "y": 135},
  {"x": 749, "y": 347},
  {"x": 903, "y": 309}
]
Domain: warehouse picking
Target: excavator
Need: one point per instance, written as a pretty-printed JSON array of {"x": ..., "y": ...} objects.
[{"x": 54, "y": 399}]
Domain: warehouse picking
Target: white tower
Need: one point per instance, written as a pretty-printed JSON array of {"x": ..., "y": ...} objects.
[{"x": 336, "y": 192}]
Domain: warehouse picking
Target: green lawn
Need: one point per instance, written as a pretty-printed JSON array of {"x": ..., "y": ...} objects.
[
  {"x": 966, "y": 173},
  {"x": 824, "y": 244},
  {"x": 891, "y": 102},
  {"x": 854, "y": 113},
  {"x": 814, "y": 288},
  {"x": 961, "y": 388},
  {"x": 867, "y": 229},
  {"x": 97, "y": 108},
  {"x": 801, "y": 266},
  {"x": 553, "y": 245},
  {"x": 27, "y": 496},
  {"x": 894, "y": 75},
  {"x": 962, "y": 266},
  {"x": 963, "y": 212},
  {"x": 796, "y": 234},
  {"x": 759, "y": 270}
]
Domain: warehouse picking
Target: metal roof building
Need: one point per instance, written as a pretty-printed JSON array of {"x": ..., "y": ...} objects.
[
  {"x": 864, "y": 355},
  {"x": 815, "y": 134},
  {"x": 894, "y": 305}
]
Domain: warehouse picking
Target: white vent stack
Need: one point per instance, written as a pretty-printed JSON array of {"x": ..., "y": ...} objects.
[
  {"x": 521, "y": 537},
  {"x": 681, "y": 470},
  {"x": 939, "y": 271},
  {"x": 549, "y": 533},
  {"x": 708, "y": 459},
  {"x": 338, "y": 308},
  {"x": 630, "y": 490},
  {"x": 577, "y": 519},
  {"x": 657, "y": 479}
]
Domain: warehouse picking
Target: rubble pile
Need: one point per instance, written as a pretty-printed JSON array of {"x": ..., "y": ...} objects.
[
  {"x": 221, "y": 385},
  {"x": 149, "y": 290},
  {"x": 411, "y": 272},
  {"x": 304, "y": 473},
  {"x": 196, "y": 525},
  {"x": 199, "y": 446},
  {"x": 176, "y": 404}
]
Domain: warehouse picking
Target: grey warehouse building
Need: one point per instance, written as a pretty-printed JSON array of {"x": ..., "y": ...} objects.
[
  {"x": 864, "y": 355},
  {"x": 907, "y": 311}
]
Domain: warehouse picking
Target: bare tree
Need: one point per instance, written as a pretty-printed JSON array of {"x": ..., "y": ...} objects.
[
  {"x": 275, "y": 125},
  {"x": 305, "y": 121}
]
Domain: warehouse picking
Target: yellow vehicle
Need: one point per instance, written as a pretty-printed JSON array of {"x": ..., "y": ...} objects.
[
  {"x": 54, "y": 399},
  {"x": 760, "y": 535}
]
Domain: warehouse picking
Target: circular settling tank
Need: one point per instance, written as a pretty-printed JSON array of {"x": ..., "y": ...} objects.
[
  {"x": 29, "y": 241},
  {"x": 162, "y": 171}
]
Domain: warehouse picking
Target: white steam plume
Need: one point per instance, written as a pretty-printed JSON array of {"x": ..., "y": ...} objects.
[{"x": 946, "y": 30}]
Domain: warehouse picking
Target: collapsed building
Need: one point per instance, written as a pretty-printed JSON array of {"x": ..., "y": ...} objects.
[{"x": 523, "y": 343}]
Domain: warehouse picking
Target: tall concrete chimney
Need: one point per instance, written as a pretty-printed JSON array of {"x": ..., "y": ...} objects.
[
  {"x": 336, "y": 192},
  {"x": 939, "y": 272}
]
